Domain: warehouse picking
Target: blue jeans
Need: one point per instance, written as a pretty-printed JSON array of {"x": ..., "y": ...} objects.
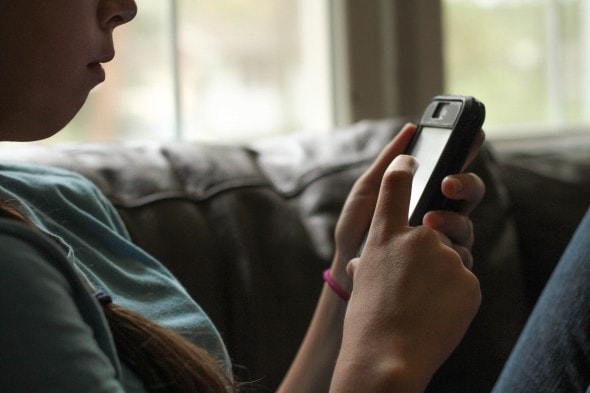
[{"x": 553, "y": 351}]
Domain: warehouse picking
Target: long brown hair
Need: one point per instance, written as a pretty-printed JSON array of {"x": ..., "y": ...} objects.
[{"x": 164, "y": 360}]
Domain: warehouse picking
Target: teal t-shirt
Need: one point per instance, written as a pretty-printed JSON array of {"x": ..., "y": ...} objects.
[{"x": 53, "y": 335}]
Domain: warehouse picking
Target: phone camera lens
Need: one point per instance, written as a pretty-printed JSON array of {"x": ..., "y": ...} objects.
[{"x": 440, "y": 111}]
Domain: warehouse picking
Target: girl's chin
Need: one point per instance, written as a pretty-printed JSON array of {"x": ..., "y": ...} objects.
[
  {"x": 38, "y": 122},
  {"x": 30, "y": 131}
]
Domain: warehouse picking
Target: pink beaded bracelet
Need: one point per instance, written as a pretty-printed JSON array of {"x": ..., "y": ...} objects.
[{"x": 342, "y": 294}]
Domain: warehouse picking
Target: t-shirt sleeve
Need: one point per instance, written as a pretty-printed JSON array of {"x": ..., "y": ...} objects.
[
  {"x": 87, "y": 197},
  {"x": 46, "y": 344}
]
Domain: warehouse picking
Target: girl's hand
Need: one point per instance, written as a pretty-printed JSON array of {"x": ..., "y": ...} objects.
[
  {"x": 359, "y": 208},
  {"x": 468, "y": 189},
  {"x": 413, "y": 297}
]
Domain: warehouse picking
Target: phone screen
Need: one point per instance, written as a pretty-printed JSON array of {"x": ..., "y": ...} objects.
[{"x": 427, "y": 150}]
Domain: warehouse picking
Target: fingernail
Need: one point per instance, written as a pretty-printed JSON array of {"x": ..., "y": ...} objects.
[
  {"x": 456, "y": 185},
  {"x": 404, "y": 162},
  {"x": 434, "y": 220},
  {"x": 439, "y": 220}
]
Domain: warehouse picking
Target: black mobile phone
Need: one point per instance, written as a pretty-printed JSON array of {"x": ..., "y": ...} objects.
[{"x": 441, "y": 145}]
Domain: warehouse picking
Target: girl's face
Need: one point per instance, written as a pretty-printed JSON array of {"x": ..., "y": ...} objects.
[{"x": 50, "y": 56}]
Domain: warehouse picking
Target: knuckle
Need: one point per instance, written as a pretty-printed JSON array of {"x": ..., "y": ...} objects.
[
  {"x": 425, "y": 235},
  {"x": 466, "y": 256},
  {"x": 475, "y": 290},
  {"x": 466, "y": 228},
  {"x": 470, "y": 233}
]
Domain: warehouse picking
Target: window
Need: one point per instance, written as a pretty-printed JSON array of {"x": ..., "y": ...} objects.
[
  {"x": 528, "y": 60},
  {"x": 138, "y": 98},
  {"x": 214, "y": 70},
  {"x": 234, "y": 70}
]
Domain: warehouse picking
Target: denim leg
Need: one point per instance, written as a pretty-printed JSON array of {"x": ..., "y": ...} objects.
[{"x": 553, "y": 351}]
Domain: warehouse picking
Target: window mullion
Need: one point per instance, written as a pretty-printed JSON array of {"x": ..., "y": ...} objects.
[
  {"x": 176, "y": 72},
  {"x": 392, "y": 55},
  {"x": 556, "y": 95},
  {"x": 585, "y": 52}
]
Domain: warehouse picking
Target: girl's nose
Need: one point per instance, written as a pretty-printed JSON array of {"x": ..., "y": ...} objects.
[{"x": 113, "y": 13}]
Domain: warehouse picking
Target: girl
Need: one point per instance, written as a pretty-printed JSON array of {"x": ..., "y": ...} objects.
[{"x": 84, "y": 310}]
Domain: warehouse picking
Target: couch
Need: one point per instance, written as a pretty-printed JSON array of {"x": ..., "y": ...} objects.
[{"x": 248, "y": 230}]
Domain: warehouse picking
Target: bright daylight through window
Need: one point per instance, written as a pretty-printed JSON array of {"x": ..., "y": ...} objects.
[
  {"x": 214, "y": 70},
  {"x": 229, "y": 70},
  {"x": 528, "y": 60}
]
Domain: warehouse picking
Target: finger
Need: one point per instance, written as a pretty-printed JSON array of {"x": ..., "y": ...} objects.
[
  {"x": 465, "y": 255},
  {"x": 394, "y": 148},
  {"x": 456, "y": 227},
  {"x": 465, "y": 187},
  {"x": 365, "y": 191},
  {"x": 394, "y": 196},
  {"x": 463, "y": 252},
  {"x": 444, "y": 239},
  {"x": 474, "y": 150},
  {"x": 351, "y": 267}
]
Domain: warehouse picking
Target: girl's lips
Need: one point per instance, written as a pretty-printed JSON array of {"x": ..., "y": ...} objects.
[
  {"x": 98, "y": 71},
  {"x": 95, "y": 66}
]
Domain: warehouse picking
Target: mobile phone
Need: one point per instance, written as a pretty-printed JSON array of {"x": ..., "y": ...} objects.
[{"x": 441, "y": 145}]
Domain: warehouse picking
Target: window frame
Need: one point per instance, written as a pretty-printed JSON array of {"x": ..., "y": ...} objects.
[
  {"x": 406, "y": 68},
  {"x": 405, "y": 52}
]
